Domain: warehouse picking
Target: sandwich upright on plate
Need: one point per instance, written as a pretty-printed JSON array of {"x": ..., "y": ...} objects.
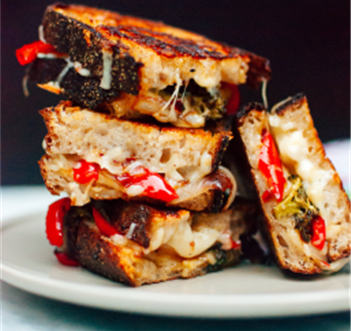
[
  {"x": 139, "y": 145},
  {"x": 307, "y": 212}
]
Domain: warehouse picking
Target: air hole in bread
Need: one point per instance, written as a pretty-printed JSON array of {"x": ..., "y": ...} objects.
[
  {"x": 102, "y": 130},
  {"x": 282, "y": 241},
  {"x": 166, "y": 155},
  {"x": 133, "y": 153},
  {"x": 182, "y": 142},
  {"x": 310, "y": 149},
  {"x": 326, "y": 205},
  {"x": 186, "y": 171}
]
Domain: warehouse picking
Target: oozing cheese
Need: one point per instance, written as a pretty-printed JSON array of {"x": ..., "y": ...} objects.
[
  {"x": 186, "y": 242},
  {"x": 293, "y": 151},
  {"x": 106, "y": 69},
  {"x": 189, "y": 243},
  {"x": 63, "y": 165}
]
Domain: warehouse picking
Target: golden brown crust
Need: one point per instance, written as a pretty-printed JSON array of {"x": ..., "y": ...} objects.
[
  {"x": 163, "y": 39},
  {"x": 126, "y": 262},
  {"x": 144, "y": 55}
]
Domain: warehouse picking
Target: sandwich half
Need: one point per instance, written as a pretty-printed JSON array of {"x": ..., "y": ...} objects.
[
  {"x": 91, "y": 155},
  {"x": 131, "y": 66},
  {"x": 137, "y": 244},
  {"x": 307, "y": 212}
]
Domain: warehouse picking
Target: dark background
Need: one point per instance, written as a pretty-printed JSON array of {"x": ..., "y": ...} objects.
[{"x": 307, "y": 42}]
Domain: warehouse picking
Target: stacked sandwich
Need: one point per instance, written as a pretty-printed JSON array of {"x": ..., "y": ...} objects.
[
  {"x": 138, "y": 146},
  {"x": 138, "y": 149}
]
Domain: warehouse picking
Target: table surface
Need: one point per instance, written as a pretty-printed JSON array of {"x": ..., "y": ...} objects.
[{"x": 22, "y": 311}]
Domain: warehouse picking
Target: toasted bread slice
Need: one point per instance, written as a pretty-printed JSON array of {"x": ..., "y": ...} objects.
[
  {"x": 315, "y": 180},
  {"x": 179, "y": 154},
  {"x": 152, "y": 244},
  {"x": 105, "y": 56}
]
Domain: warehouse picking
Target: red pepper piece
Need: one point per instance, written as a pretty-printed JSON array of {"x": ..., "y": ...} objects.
[
  {"x": 84, "y": 172},
  {"x": 64, "y": 259},
  {"x": 28, "y": 53},
  {"x": 153, "y": 184},
  {"x": 105, "y": 227},
  {"x": 54, "y": 221},
  {"x": 270, "y": 166},
  {"x": 234, "y": 101},
  {"x": 325, "y": 263},
  {"x": 267, "y": 195},
  {"x": 235, "y": 244},
  {"x": 318, "y": 232}
]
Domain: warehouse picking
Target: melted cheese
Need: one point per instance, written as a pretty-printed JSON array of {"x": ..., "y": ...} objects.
[
  {"x": 106, "y": 79},
  {"x": 293, "y": 150},
  {"x": 79, "y": 68},
  {"x": 180, "y": 236},
  {"x": 264, "y": 93},
  {"x": 187, "y": 242},
  {"x": 41, "y": 34}
]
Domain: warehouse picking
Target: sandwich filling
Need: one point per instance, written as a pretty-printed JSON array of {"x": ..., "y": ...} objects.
[
  {"x": 131, "y": 180},
  {"x": 147, "y": 236},
  {"x": 299, "y": 186},
  {"x": 183, "y": 104}
]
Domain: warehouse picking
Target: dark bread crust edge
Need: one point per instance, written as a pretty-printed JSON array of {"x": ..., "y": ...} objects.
[
  {"x": 86, "y": 245},
  {"x": 88, "y": 248},
  {"x": 292, "y": 102},
  {"x": 84, "y": 44}
]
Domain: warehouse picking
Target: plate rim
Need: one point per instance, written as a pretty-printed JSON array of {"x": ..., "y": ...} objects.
[{"x": 128, "y": 299}]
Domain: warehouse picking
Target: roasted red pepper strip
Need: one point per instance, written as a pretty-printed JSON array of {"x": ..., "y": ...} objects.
[
  {"x": 235, "y": 244},
  {"x": 84, "y": 172},
  {"x": 64, "y": 259},
  {"x": 153, "y": 184},
  {"x": 28, "y": 53},
  {"x": 267, "y": 195},
  {"x": 234, "y": 101},
  {"x": 318, "y": 232},
  {"x": 54, "y": 221},
  {"x": 105, "y": 227},
  {"x": 270, "y": 166}
]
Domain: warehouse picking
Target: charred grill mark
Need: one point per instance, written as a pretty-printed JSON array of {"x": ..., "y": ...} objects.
[
  {"x": 220, "y": 153},
  {"x": 220, "y": 199},
  {"x": 84, "y": 44},
  {"x": 122, "y": 215},
  {"x": 168, "y": 45},
  {"x": 244, "y": 111},
  {"x": 259, "y": 70},
  {"x": 82, "y": 40},
  {"x": 43, "y": 71},
  {"x": 97, "y": 255},
  {"x": 294, "y": 101},
  {"x": 85, "y": 91}
]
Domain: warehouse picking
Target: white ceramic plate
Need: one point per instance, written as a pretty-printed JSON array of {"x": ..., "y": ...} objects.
[{"x": 244, "y": 291}]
